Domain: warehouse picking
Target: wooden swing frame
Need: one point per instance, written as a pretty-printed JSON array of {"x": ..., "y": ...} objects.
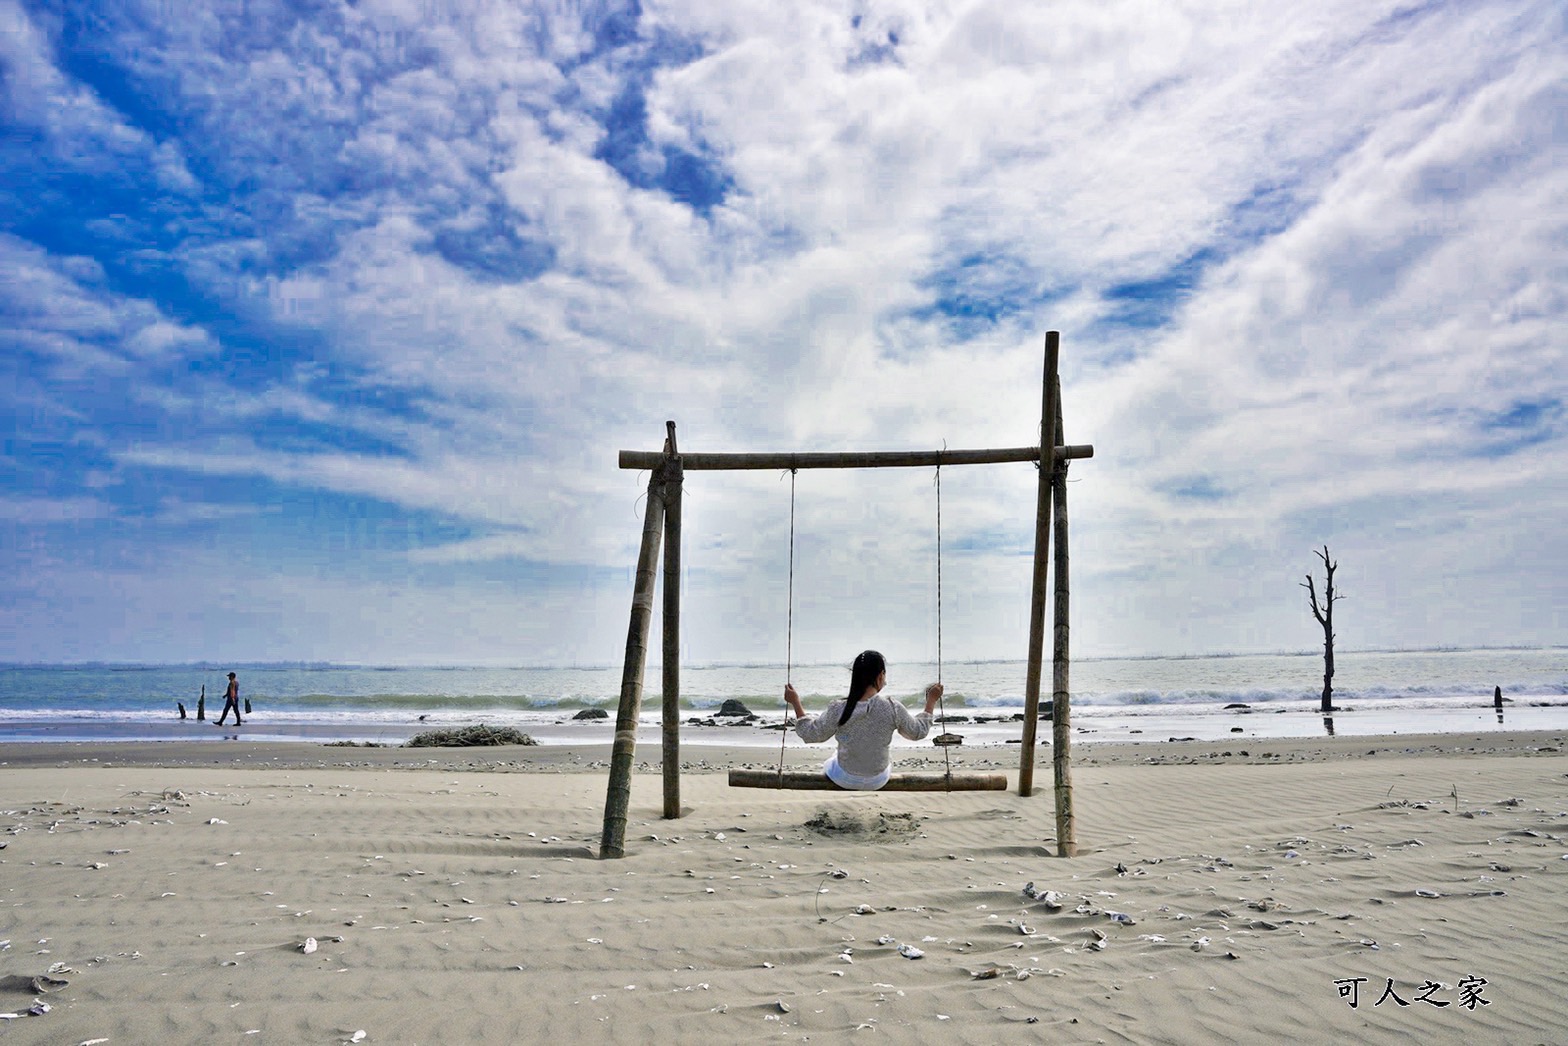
[{"x": 662, "y": 519}]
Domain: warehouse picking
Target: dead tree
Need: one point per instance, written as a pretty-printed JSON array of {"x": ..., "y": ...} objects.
[{"x": 1324, "y": 612}]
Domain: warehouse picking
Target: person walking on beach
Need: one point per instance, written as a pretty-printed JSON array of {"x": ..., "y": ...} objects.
[
  {"x": 864, "y": 723},
  {"x": 231, "y": 700}
]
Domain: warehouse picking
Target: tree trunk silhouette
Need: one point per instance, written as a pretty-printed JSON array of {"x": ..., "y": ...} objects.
[{"x": 1324, "y": 612}]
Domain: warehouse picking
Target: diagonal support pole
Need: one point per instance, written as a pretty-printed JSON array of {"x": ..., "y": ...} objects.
[{"x": 612, "y": 842}]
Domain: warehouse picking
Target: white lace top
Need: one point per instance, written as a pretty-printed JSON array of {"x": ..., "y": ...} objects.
[{"x": 862, "y": 760}]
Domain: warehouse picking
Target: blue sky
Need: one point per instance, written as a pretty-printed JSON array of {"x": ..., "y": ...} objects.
[{"x": 322, "y": 323}]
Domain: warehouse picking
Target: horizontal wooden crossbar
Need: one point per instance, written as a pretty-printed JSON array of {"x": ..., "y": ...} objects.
[
  {"x": 647, "y": 459},
  {"x": 817, "y": 781}
]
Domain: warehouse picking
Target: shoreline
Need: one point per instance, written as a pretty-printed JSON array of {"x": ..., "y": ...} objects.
[
  {"x": 1091, "y": 725},
  {"x": 593, "y": 756}
]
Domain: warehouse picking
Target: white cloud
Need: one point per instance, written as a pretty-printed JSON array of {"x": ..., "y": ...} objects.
[
  {"x": 57, "y": 307},
  {"x": 80, "y": 130},
  {"x": 39, "y": 511}
]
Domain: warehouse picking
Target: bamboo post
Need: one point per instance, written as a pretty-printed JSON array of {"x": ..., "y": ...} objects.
[
  {"x": 618, "y": 796},
  {"x": 671, "y": 629},
  {"x": 1042, "y": 540},
  {"x": 1061, "y": 697}
]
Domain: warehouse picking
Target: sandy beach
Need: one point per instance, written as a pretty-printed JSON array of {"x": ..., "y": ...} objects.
[{"x": 1346, "y": 889}]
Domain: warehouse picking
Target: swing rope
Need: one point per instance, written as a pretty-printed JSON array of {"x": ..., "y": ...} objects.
[
  {"x": 789, "y": 631},
  {"x": 939, "y": 573},
  {"x": 947, "y": 757}
]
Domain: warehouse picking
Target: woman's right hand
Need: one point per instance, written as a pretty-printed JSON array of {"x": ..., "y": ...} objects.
[{"x": 793, "y": 700}]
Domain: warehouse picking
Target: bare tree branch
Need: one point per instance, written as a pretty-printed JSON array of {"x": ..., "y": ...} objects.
[{"x": 1324, "y": 612}]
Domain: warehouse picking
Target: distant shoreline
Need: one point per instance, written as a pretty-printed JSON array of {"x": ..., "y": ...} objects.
[
  {"x": 718, "y": 753},
  {"x": 1093, "y": 724}
]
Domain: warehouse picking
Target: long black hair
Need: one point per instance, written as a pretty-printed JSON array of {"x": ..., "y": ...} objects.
[{"x": 863, "y": 674}]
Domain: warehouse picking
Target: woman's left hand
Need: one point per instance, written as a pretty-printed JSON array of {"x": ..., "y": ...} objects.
[{"x": 933, "y": 695}]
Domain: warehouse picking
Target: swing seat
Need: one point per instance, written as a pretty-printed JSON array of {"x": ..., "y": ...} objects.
[{"x": 816, "y": 781}]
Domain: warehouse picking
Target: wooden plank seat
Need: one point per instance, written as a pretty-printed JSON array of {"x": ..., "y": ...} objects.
[{"x": 817, "y": 781}]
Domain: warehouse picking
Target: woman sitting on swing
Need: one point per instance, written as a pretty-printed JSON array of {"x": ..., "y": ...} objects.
[{"x": 864, "y": 723}]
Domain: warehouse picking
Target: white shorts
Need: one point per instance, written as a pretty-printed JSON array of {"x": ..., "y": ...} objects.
[{"x": 854, "y": 782}]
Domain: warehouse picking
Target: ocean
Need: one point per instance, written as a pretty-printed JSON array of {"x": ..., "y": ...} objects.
[{"x": 1154, "y": 698}]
